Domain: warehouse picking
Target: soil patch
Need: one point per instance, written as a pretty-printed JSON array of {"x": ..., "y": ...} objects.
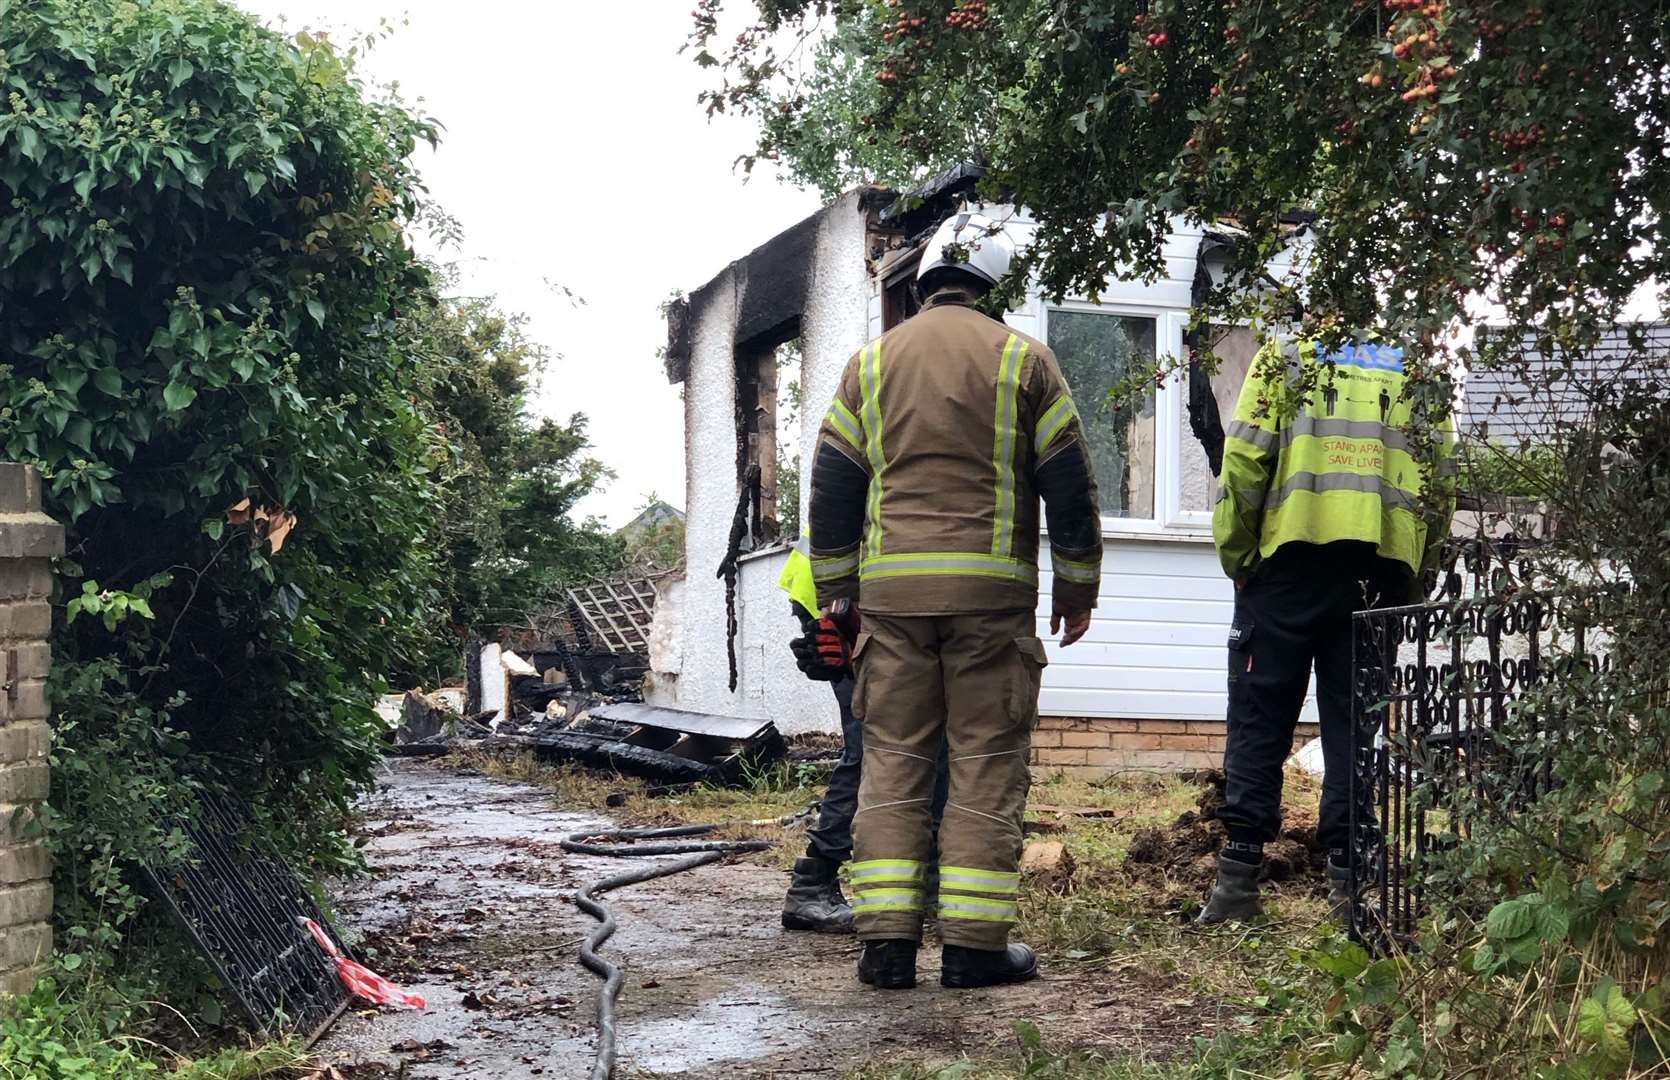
[{"x": 1183, "y": 855}]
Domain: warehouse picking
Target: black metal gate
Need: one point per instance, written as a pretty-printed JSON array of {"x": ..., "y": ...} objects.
[
  {"x": 1433, "y": 685},
  {"x": 242, "y": 905}
]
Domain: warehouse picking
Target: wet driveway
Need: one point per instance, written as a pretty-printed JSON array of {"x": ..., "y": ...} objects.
[{"x": 470, "y": 904}]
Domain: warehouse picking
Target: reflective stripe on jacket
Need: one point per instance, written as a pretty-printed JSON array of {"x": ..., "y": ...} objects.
[
  {"x": 950, "y": 415},
  {"x": 1346, "y": 463}
]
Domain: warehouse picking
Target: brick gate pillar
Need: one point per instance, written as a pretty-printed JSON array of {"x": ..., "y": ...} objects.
[{"x": 28, "y": 539}]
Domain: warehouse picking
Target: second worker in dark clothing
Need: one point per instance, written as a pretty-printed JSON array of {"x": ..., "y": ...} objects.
[
  {"x": 1330, "y": 504},
  {"x": 1295, "y": 611},
  {"x": 814, "y": 900}
]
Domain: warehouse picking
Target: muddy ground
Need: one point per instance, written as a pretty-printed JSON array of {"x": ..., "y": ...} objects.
[{"x": 470, "y": 904}]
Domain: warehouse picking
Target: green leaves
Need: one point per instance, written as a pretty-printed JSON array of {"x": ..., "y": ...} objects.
[
  {"x": 1605, "y": 1019},
  {"x": 1520, "y": 928},
  {"x": 163, "y": 361},
  {"x": 69, "y": 379},
  {"x": 1380, "y": 981},
  {"x": 1511, "y": 919},
  {"x": 178, "y": 395},
  {"x": 109, "y": 381},
  {"x": 79, "y": 433},
  {"x": 111, "y": 605},
  {"x": 29, "y": 141},
  {"x": 1345, "y": 962}
]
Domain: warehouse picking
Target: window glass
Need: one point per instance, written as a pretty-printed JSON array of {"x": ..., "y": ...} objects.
[
  {"x": 1199, "y": 486},
  {"x": 1096, "y": 350}
]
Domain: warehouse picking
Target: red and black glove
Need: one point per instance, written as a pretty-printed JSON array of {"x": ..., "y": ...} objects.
[{"x": 823, "y": 652}]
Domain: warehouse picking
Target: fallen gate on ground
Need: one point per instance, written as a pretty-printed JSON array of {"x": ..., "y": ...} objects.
[
  {"x": 1433, "y": 685},
  {"x": 241, "y": 904}
]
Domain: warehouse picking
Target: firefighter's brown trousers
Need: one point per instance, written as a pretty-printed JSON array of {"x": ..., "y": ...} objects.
[{"x": 973, "y": 680}]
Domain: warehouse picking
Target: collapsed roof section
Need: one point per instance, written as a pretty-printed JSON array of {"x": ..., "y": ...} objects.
[
  {"x": 771, "y": 283},
  {"x": 918, "y": 212}
]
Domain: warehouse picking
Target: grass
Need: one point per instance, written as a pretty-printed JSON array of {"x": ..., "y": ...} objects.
[
  {"x": 1071, "y": 1067},
  {"x": 49, "y": 1035},
  {"x": 272, "y": 1060},
  {"x": 1110, "y": 914}
]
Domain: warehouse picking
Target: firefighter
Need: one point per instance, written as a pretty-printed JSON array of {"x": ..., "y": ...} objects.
[
  {"x": 1337, "y": 492},
  {"x": 814, "y": 900},
  {"x": 943, "y": 435}
]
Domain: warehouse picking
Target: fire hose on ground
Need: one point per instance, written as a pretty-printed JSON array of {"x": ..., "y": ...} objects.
[{"x": 625, "y": 843}]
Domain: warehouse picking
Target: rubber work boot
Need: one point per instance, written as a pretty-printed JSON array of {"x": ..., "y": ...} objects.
[
  {"x": 888, "y": 965},
  {"x": 814, "y": 901},
  {"x": 1235, "y": 897},
  {"x": 1339, "y": 894},
  {"x": 963, "y": 968}
]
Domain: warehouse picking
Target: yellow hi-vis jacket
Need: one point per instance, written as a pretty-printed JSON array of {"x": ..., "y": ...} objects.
[
  {"x": 1343, "y": 463},
  {"x": 797, "y": 580}
]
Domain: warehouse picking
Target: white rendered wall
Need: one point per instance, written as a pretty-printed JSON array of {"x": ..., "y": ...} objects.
[
  {"x": 1158, "y": 642},
  {"x": 833, "y": 327}
]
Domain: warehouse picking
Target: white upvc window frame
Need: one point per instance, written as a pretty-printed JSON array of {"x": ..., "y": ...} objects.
[{"x": 1170, "y": 520}]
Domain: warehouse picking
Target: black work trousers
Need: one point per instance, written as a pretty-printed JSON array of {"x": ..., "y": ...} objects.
[
  {"x": 1296, "y": 612},
  {"x": 831, "y": 837}
]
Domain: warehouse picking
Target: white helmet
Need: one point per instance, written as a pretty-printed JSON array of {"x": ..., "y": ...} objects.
[{"x": 972, "y": 243}]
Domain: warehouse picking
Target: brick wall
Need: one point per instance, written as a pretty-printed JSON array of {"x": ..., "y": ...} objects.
[
  {"x": 1098, "y": 745},
  {"x": 28, "y": 539}
]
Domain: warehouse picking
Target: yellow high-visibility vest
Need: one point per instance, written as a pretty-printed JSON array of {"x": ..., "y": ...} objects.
[
  {"x": 797, "y": 579},
  {"x": 1340, "y": 464}
]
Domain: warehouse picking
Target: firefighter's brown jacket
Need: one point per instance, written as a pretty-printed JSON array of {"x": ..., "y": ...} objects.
[{"x": 942, "y": 436}]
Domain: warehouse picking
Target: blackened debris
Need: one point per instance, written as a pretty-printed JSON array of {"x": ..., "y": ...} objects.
[{"x": 668, "y": 745}]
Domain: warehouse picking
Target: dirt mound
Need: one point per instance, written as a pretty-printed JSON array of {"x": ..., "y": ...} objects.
[
  {"x": 1184, "y": 854},
  {"x": 1212, "y": 781}
]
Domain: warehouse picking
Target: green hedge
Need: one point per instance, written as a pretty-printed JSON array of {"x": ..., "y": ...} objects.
[{"x": 206, "y": 283}]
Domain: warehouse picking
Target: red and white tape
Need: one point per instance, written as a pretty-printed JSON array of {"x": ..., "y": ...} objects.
[{"x": 360, "y": 980}]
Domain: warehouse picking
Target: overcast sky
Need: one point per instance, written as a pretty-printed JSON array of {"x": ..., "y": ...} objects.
[{"x": 575, "y": 153}]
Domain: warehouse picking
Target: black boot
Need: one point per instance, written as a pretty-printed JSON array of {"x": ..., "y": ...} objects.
[
  {"x": 888, "y": 965},
  {"x": 963, "y": 968},
  {"x": 814, "y": 900},
  {"x": 1235, "y": 897},
  {"x": 1339, "y": 893}
]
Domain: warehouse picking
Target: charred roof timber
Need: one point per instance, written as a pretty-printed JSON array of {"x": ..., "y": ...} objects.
[
  {"x": 768, "y": 313},
  {"x": 920, "y": 211},
  {"x": 771, "y": 282}
]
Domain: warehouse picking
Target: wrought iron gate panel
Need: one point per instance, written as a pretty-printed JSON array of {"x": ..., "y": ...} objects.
[
  {"x": 242, "y": 904},
  {"x": 1433, "y": 684}
]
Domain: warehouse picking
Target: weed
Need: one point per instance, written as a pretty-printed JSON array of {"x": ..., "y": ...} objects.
[
  {"x": 51, "y": 1034},
  {"x": 574, "y": 787}
]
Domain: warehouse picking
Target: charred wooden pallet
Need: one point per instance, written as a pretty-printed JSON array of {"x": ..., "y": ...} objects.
[{"x": 667, "y": 745}]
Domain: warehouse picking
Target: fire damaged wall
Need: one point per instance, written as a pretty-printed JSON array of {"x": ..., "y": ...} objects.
[{"x": 814, "y": 280}]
